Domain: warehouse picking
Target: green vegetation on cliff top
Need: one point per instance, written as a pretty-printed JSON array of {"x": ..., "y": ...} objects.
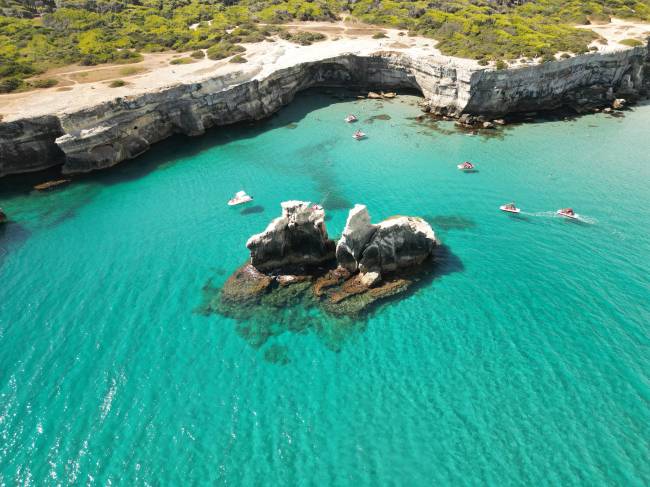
[{"x": 37, "y": 35}]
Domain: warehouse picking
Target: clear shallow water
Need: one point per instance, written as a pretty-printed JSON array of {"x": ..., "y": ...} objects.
[{"x": 525, "y": 361}]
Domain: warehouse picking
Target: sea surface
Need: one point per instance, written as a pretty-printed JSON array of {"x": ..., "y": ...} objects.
[{"x": 524, "y": 361}]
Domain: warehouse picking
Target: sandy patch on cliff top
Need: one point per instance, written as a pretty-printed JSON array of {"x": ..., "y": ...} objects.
[
  {"x": 87, "y": 86},
  {"x": 615, "y": 32}
]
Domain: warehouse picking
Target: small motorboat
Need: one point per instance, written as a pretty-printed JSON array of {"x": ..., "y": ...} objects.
[
  {"x": 351, "y": 118},
  {"x": 510, "y": 208},
  {"x": 240, "y": 198},
  {"x": 358, "y": 135},
  {"x": 567, "y": 212},
  {"x": 466, "y": 166}
]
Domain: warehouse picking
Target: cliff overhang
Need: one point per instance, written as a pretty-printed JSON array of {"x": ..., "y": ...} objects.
[{"x": 111, "y": 132}]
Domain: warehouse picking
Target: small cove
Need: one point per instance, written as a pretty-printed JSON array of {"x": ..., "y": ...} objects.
[{"x": 523, "y": 361}]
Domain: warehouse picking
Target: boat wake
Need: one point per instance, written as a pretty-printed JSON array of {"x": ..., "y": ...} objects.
[{"x": 552, "y": 214}]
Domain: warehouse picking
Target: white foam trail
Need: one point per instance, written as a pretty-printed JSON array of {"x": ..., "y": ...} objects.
[
  {"x": 544, "y": 214},
  {"x": 553, "y": 214}
]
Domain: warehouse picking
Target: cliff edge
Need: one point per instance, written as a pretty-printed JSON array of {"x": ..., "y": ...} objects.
[{"x": 110, "y": 132}]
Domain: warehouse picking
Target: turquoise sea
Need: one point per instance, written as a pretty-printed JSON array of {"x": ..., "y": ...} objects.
[{"x": 525, "y": 361}]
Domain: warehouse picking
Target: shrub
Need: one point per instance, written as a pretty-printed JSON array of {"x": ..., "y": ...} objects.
[
  {"x": 379, "y": 35},
  {"x": 7, "y": 85},
  {"x": 198, "y": 54},
  {"x": 501, "y": 64},
  {"x": 182, "y": 60},
  {"x": 631, "y": 42},
  {"x": 548, "y": 57},
  {"x": 223, "y": 50},
  {"x": 116, "y": 83},
  {"x": 304, "y": 38},
  {"x": 44, "y": 83},
  {"x": 483, "y": 62},
  {"x": 238, "y": 58},
  {"x": 565, "y": 55}
]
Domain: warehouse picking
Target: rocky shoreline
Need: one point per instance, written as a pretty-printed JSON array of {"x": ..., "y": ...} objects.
[
  {"x": 294, "y": 262},
  {"x": 109, "y": 133}
]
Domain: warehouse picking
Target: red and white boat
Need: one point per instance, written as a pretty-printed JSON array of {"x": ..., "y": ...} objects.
[
  {"x": 351, "y": 118},
  {"x": 567, "y": 212},
  {"x": 466, "y": 166},
  {"x": 510, "y": 208},
  {"x": 239, "y": 199},
  {"x": 358, "y": 135}
]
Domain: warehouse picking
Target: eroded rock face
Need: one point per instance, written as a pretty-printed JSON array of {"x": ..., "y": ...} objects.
[
  {"x": 295, "y": 241},
  {"x": 28, "y": 145},
  {"x": 395, "y": 244},
  {"x": 399, "y": 243},
  {"x": 111, "y": 132},
  {"x": 356, "y": 234}
]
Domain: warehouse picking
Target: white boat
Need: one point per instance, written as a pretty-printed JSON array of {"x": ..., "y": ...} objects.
[
  {"x": 567, "y": 213},
  {"x": 351, "y": 118},
  {"x": 510, "y": 208},
  {"x": 240, "y": 198},
  {"x": 466, "y": 166},
  {"x": 358, "y": 135}
]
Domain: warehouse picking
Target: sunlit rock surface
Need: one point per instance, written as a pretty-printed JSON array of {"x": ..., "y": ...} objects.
[
  {"x": 295, "y": 241},
  {"x": 293, "y": 263},
  {"x": 111, "y": 132}
]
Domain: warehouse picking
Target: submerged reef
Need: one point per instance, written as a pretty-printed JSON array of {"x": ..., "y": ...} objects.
[{"x": 293, "y": 263}]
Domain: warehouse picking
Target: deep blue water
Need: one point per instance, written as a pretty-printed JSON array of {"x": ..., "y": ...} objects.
[{"x": 524, "y": 362}]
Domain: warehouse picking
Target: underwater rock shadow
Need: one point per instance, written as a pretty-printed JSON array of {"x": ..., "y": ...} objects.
[
  {"x": 13, "y": 185},
  {"x": 251, "y": 210},
  {"x": 299, "y": 311},
  {"x": 444, "y": 262},
  {"x": 12, "y": 236},
  {"x": 449, "y": 222}
]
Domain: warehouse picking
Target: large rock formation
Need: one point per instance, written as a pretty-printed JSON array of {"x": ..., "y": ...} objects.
[
  {"x": 294, "y": 242},
  {"x": 394, "y": 244},
  {"x": 399, "y": 243},
  {"x": 110, "y": 132},
  {"x": 293, "y": 261}
]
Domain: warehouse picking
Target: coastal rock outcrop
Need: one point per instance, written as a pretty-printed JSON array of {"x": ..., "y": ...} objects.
[
  {"x": 29, "y": 145},
  {"x": 101, "y": 136},
  {"x": 295, "y": 241},
  {"x": 399, "y": 243},
  {"x": 293, "y": 261}
]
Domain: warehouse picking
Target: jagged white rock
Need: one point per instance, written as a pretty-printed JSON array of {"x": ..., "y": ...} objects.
[
  {"x": 355, "y": 237},
  {"x": 298, "y": 238}
]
